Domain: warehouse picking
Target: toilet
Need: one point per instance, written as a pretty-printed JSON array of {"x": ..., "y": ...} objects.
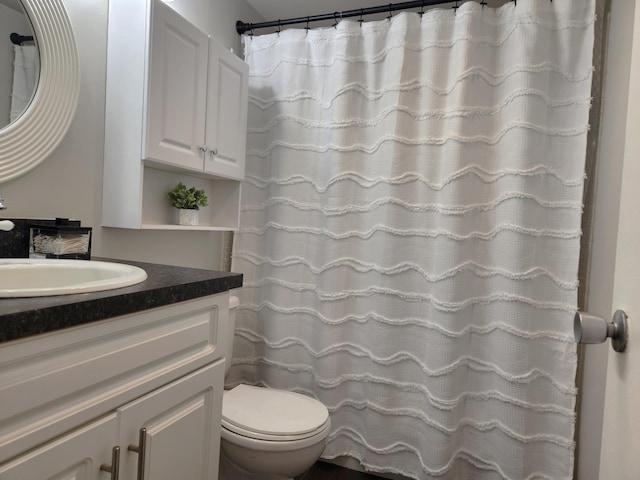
[{"x": 268, "y": 434}]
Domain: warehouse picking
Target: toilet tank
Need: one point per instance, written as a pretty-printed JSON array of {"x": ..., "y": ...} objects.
[{"x": 233, "y": 307}]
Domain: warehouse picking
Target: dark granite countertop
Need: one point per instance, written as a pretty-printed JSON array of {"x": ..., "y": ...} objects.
[{"x": 23, "y": 317}]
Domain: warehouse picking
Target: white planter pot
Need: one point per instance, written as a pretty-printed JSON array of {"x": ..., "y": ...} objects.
[{"x": 187, "y": 216}]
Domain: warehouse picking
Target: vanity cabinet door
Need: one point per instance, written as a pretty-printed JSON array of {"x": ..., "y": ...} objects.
[
  {"x": 227, "y": 103},
  {"x": 177, "y": 90},
  {"x": 181, "y": 422},
  {"x": 77, "y": 455}
]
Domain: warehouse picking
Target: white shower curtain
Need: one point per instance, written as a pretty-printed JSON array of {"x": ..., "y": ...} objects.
[
  {"x": 410, "y": 228},
  {"x": 26, "y": 70}
]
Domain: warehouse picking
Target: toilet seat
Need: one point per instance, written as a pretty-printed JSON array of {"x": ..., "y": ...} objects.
[{"x": 273, "y": 415}]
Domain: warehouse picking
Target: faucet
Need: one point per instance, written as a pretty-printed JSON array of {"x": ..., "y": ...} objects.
[{"x": 5, "y": 225}]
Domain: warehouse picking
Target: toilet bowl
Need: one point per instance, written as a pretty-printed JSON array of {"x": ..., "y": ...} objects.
[{"x": 268, "y": 434}]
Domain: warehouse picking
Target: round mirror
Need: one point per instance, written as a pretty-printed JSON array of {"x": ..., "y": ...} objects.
[
  {"x": 20, "y": 62},
  {"x": 29, "y": 139}
]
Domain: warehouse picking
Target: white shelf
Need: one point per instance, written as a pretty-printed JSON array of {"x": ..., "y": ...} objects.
[
  {"x": 157, "y": 213},
  {"x": 184, "y": 228}
]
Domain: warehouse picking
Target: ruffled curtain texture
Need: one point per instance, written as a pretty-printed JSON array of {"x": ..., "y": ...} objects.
[{"x": 410, "y": 229}]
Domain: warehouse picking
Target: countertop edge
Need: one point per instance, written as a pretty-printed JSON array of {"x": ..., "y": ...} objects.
[{"x": 165, "y": 285}]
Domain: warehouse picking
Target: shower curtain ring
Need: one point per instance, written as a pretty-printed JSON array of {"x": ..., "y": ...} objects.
[
  {"x": 483, "y": 3},
  {"x": 361, "y": 20},
  {"x": 421, "y": 12},
  {"x": 279, "y": 28},
  {"x": 390, "y": 12},
  {"x": 335, "y": 19},
  {"x": 307, "y": 27},
  {"x": 455, "y": 8}
]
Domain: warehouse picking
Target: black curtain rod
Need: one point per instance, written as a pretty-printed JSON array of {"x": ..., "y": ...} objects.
[
  {"x": 242, "y": 27},
  {"x": 17, "y": 39}
]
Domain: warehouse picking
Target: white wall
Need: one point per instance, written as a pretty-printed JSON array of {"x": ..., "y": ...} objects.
[{"x": 69, "y": 183}]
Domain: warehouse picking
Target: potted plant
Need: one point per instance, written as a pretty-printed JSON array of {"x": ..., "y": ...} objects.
[{"x": 188, "y": 202}]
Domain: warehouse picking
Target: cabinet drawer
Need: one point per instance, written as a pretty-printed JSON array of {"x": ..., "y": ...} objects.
[{"x": 53, "y": 383}]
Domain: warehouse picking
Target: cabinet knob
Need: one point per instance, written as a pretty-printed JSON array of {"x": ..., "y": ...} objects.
[
  {"x": 114, "y": 468},
  {"x": 213, "y": 152},
  {"x": 141, "y": 450},
  {"x": 203, "y": 148}
]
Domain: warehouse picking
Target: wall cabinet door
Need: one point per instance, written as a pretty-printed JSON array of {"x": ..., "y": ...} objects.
[
  {"x": 177, "y": 90},
  {"x": 227, "y": 103},
  {"x": 197, "y": 99},
  {"x": 77, "y": 455},
  {"x": 181, "y": 422}
]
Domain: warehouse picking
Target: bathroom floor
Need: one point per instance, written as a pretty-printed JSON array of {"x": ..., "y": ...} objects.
[{"x": 329, "y": 471}]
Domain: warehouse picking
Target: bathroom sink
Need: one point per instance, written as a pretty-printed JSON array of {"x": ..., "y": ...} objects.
[{"x": 28, "y": 277}]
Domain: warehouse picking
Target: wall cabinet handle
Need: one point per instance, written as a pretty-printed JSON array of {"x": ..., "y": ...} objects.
[
  {"x": 141, "y": 450},
  {"x": 114, "y": 468},
  {"x": 213, "y": 152},
  {"x": 203, "y": 148}
]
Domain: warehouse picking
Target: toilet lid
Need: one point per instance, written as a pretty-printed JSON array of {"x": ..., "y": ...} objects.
[{"x": 272, "y": 412}]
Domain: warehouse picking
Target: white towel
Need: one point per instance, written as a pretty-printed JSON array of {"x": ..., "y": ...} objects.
[{"x": 26, "y": 70}]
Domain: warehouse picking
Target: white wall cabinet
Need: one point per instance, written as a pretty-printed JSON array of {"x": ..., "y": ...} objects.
[
  {"x": 176, "y": 110},
  {"x": 177, "y": 91},
  {"x": 227, "y": 105},
  {"x": 149, "y": 384}
]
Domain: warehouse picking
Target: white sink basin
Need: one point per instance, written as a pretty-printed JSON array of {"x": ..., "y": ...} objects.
[{"x": 28, "y": 277}]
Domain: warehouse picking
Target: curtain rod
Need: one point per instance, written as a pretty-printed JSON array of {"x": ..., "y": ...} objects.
[
  {"x": 17, "y": 39},
  {"x": 242, "y": 27}
]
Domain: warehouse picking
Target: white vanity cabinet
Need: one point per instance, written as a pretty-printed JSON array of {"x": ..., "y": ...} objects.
[
  {"x": 78, "y": 455},
  {"x": 147, "y": 384},
  {"x": 176, "y": 110},
  {"x": 177, "y": 429}
]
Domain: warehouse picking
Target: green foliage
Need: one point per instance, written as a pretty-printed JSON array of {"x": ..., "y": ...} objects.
[{"x": 191, "y": 198}]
